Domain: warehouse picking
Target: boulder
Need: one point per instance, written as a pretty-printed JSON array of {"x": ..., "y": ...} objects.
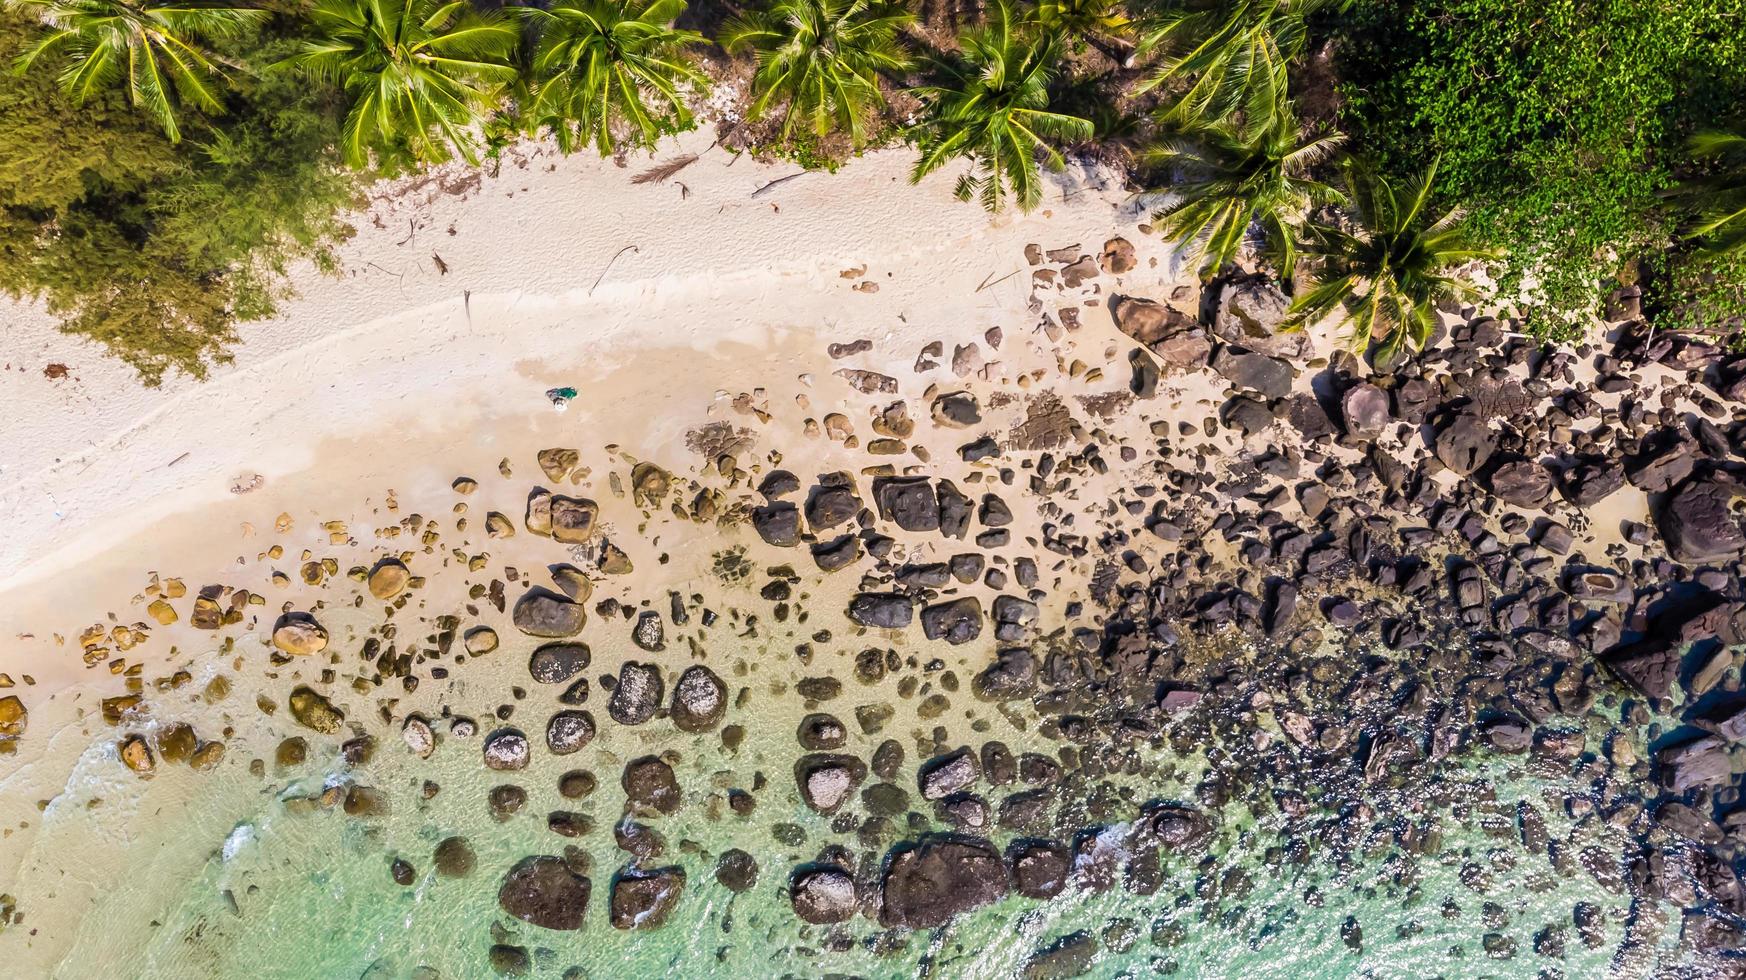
[
  {"x": 638, "y": 694},
  {"x": 881, "y": 610},
  {"x": 1013, "y": 674},
  {"x": 569, "y": 731},
  {"x": 839, "y": 552},
  {"x": 823, "y": 894},
  {"x": 1699, "y": 523},
  {"x": 1587, "y": 484},
  {"x": 573, "y": 519},
  {"x": 1269, "y": 376},
  {"x": 827, "y": 507},
  {"x": 650, "y": 632},
  {"x": 956, "y": 410},
  {"x": 827, "y": 781},
  {"x": 927, "y": 885},
  {"x": 778, "y": 523},
  {"x": 315, "y": 712},
  {"x": 1245, "y": 414},
  {"x": 951, "y": 773},
  {"x": 1306, "y": 414},
  {"x": 1464, "y": 444},
  {"x": 299, "y": 635},
  {"x": 1147, "y": 321},
  {"x": 388, "y": 579},
  {"x": 644, "y": 899},
  {"x": 1117, "y": 257},
  {"x": 957, "y": 622},
  {"x": 907, "y": 501},
  {"x": 1522, "y": 483},
  {"x": 1365, "y": 409},
  {"x": 546, "y": 614},
  {"x": 506, "y": 750},
  {"x": 649, "y": 784},
  {"x": 556, "y": 663},
  {"x": 699, "y": 700},
  {"x": 1039, "y": 867},
  {"x": 1249, "y": 312},
  {"x": 545, "y": 892}
]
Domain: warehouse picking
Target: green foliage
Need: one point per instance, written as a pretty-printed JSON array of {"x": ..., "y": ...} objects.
[
  {"x": 420, "y": 73},
  {"x": 602, "y": 63},
  {"x": 821, "y": 60},
  {"x": 1089, "y": 20},
  {"x": 1226, "y": 61},
  {"x": 1387, "y": 275},
  {"x": 152, "y": 249},
  {"x": 1231, "y": 183},
  {"x": 1718, "y": 198},
  {"x": 157, "y": 48},
  {"x": 1557, "y": 121},
  {"x": 993, "y": 108}
]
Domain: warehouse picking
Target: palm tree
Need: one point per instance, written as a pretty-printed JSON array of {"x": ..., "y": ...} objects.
[
  {"x": 1719, "y": 197},
  {"x": 1098, "y": 22},
  {"x": 603, "y": 62},
  {"x": 157, "y": 47},
  {"x": 420, "y": 73},
  {"x": 994, "y": 110},
  {"x": 822, "y": 58},
  {"x": 1232, "y": 55},
  {"x": 1388, "y": 275},
  {"x": 1234, "y": 184}
]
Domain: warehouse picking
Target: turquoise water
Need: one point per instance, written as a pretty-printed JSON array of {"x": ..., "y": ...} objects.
[{"x": 292, "y": 889}]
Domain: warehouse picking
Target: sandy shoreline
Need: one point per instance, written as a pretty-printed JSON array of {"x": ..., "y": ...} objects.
[{"x": 81, "y": 449}]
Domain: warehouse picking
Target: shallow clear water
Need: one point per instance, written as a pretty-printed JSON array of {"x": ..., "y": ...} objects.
[{"x": 285, "y": 888}]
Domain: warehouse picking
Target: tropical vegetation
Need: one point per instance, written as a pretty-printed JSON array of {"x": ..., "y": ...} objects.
[
  {"x": 1384, "y": 270},
  {"x": 419, "y": 73},
  {"x": 613, "y": 73},
  {"x": 157, "y": 52},
  {"x": 822, "y": 61},
  {"x": 163, "y": 160},
  {"x": 1225, "y": 185},
  {"x": 992, "y": 107}
]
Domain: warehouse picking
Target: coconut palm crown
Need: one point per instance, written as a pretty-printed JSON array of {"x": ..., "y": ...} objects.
[
  {"x": 821, "y": 60},
  {"x": 613, "y": 69},
  {"x": 421, "y": 74},
  {"x": 1386, "y": 275},
  {"x": 1719, "y": 198},
  {"x": 157, "y": 50},
  {"x": 994, "y": 109},
  {"x": 1229, "y": 58},
  {"x": 1230, "y": 184}
]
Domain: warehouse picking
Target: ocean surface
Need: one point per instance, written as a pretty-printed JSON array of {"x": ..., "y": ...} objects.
[{"x": 228, "y": 874}]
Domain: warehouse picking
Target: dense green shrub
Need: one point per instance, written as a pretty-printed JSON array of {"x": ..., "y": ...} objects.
[
  {"x": 1556, "y": 122},
  {"x": 152, "y": 249}
]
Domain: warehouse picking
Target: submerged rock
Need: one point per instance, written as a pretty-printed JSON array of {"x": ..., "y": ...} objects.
[
  {"x": 556, "y": 663},
  {"x": 638, "y": 694},
  {"x": 506, "y": 750},
  {"x": 823, "y": 894},
  {"x": 699, "y": 700},
  {"x": 315, "y": 712},
  {"x": 926, "y": 885},
  {"x": 569, "y": 731},
  {"x": 545, "y": 892},
  {"x": 644, "y": 899}
]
